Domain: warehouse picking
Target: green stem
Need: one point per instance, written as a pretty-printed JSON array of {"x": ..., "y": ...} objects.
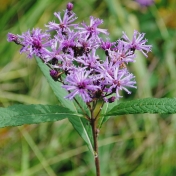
[
  {"x": 86, "y": 116},
  {"x": 95, "y": 139},
  {"x": 99, "y": 110}
]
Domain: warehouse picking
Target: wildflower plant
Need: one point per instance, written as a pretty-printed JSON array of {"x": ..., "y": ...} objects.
[{"x": 85, "y": 83}]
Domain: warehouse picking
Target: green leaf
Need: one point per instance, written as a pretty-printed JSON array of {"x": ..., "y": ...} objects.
[
  {"x": 78, "y": 123},
  {"x": 147, "y": 105},
  {"x": 31, "y": 114},
  {"x": 82, "y": 126},
  {"x": 56, "y": 87}
]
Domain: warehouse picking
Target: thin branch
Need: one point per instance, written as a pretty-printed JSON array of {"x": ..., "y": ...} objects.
[
  {"x": 86, "y": 116},
  {"x": 99, "y": 110}
]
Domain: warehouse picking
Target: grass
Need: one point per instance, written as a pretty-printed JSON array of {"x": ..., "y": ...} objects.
[{"x": 140, "y": 145}]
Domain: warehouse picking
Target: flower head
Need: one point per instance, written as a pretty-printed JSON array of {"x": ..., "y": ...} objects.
[
  {"x": 92, "y": 30},
  {"x": 65, "y": 22},
  {"x": 137, "y": 43},
  {"x": 120, "y": 80},
  {"x": 115, "y": 79},
  {"x": 90, "y": 61},
  {"x": 34, "y": 42},
  {"x": 80, "y": 82}
]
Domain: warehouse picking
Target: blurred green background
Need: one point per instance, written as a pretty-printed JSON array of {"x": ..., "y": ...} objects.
[{"x": 140, "y": 145}]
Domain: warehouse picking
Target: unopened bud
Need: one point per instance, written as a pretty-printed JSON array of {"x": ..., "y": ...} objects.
[
  {"x": 13, "y": 38},
  {"x": 69, "y": 6},
  {"x": 53, "y": 74},
  {"x": 111, "y": 100}
]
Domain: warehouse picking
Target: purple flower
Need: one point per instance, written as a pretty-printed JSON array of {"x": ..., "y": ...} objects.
[
  {"x": 68, "y": 41},
  {"x": 80, "y": 83},
  {"x": 106, "y": 67},
  {"x": 64, "y": 24},
  {"x": 106, "y": 45},
  {"x": 145, "y": 2},
  {"x": 137, "y": 43},
  {"x": 86, "y": 43},
  {"x": 121, "y": 54},
  {"x": 67, "y": 63},
  {"x": 55, "y": 53},
  {"x": 92, "y": 29},
  {"x": 90, "y": 61},
  {"x": 120, "y": 80},
  {"x": 35, "y": 42}
]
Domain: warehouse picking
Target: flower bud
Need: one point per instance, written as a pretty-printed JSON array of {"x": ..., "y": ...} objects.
[
  {"x": 13, "y": 38},
  {"x": 53, "y": 74},
  {"x": 111, "y": 100},
  {"x": 69, "y": 6}
]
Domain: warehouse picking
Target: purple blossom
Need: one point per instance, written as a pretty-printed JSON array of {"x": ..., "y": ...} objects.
[
  {"x": 120, "y": 80},
  {"x": 64, "y": 24},
  {"x": 86, "y": 43},
  {"x": 67, "y": 63},
  {"x": 137, "y": 43},
  {"x": 145, "y": 2},
  {"x": 79, "y": 83},
  {"x": 121, "y": 56},
  {"x": 90, "y": 61},
  {"x": 55, "y": 53},
  {"x": 34, "y": 42},
  {"x": 68, "y": 41},
  {"x": 106, "y": 67},
  {"x": 106, "y": 45},
  {"x": 92, "y": 29}
]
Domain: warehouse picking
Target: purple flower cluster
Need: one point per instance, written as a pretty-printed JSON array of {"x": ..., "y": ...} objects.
[
  {"x": 70, "y": 51},
  {"x": 144, "y": 3}
]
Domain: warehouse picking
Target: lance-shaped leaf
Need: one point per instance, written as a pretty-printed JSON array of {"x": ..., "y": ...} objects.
[
  {"x": 56, "y": 87},
  {"x": 31, "y": 114},
  {"x": 147, "y": 105},
  {"x": 82, "y": 126},
  {"x": 60, "y": 93}
]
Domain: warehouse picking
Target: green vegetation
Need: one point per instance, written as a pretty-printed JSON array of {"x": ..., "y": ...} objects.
[{"x": 139, "y": 145}]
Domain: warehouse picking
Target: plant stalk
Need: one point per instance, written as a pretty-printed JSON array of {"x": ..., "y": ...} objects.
[{"x": 95, "y": 139}]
